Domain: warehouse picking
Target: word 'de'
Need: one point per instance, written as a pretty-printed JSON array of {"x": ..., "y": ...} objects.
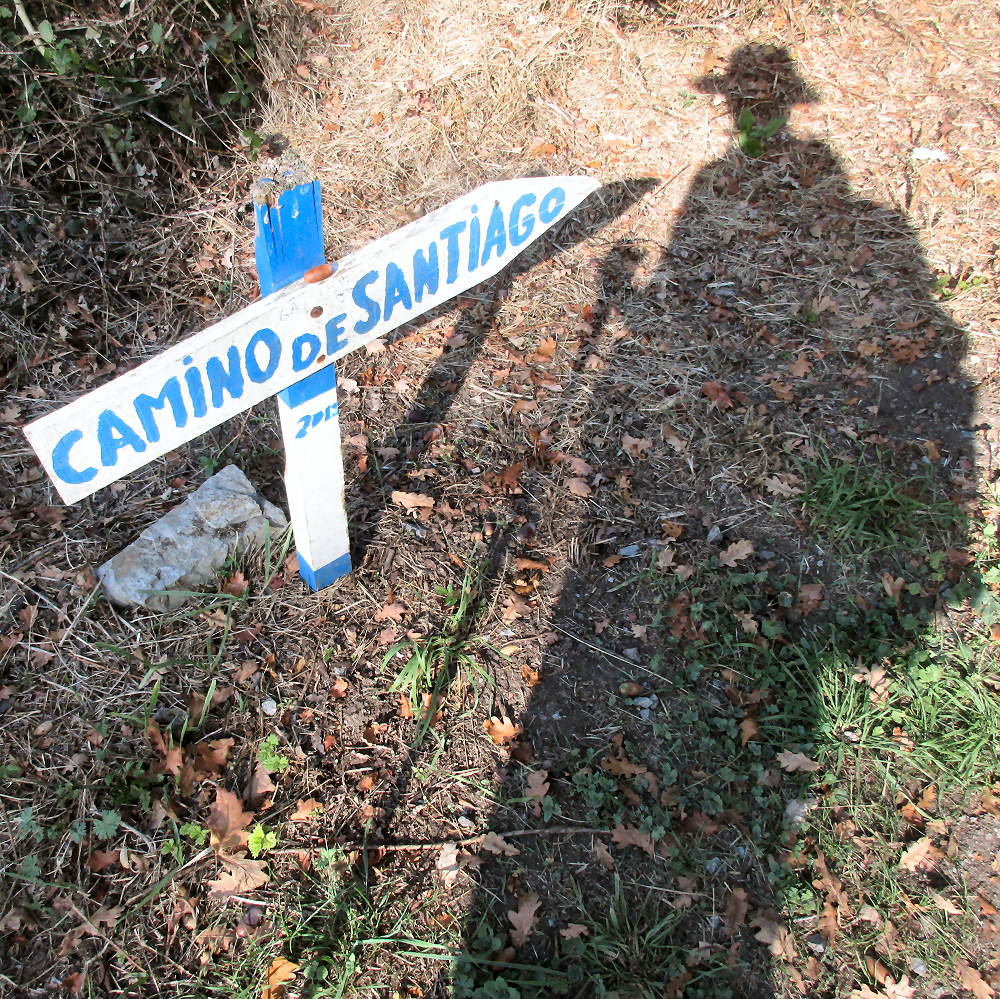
[{"x": 286, "y": 336}]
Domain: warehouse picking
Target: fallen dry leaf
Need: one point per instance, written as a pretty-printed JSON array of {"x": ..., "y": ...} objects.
[
  {"x": 574, "y": 930},
  {"x": 227, "y": 822},
  {"x": 495, "y": 843},
  {"x": 748, "y": 730},
  {"x": 578, "y": 487},
  {"x": 604, "y": 855},
  {"x": 783, "y": 484},
  {"x": 893, "y": 587},
  {"x": 685, "y": 896},
  {"x": 282, "y": 970},
  {"x": 675, "y": 987},
  {"x": 411, "y": 501},
  {"x": 390, "y": 612},
  {"x": 634, "y": 446},
  {"x": 736, "y": 552},
  {"x": 238, "y": 877},
  {"x": 801, "y": 368},
  {"x": 523, "y": 920},
  {"x": 717, "y": 396},
  {"x": 502, "y": 730},
  {"x": 538, "y": 788},
  {"x": 947, "y": 905},
  {"x": 305, "y": 810},
  {"x": 622, "y": 767},
  {"x": 972, "y": 980},
  {"x": 736, "y": 911},
  {"x": 920, "y": 855},
  {"x": 747, "y": 621},
  {"x": 796, "y": 761},
  {"x": 776, "y": 936},
  {"x": 628, "y": 835}
]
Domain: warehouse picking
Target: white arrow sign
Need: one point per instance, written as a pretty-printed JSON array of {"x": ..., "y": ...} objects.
[{"x": 279, "y": 340}]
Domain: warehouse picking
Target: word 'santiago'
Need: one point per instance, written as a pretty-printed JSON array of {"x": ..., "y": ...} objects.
[{"x": 279, "y": 340}]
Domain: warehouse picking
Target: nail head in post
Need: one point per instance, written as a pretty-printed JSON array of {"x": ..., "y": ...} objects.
[{"x": 316, "y": 311}]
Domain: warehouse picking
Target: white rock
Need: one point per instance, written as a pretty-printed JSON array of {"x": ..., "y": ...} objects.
[{"x": 184, "y": 548}]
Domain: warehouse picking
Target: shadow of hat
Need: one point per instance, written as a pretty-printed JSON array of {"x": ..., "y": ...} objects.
[{"x": 759, "y": 77}]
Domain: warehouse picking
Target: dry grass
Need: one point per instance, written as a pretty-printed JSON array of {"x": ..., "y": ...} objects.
[{"x": 399, "y": 109}]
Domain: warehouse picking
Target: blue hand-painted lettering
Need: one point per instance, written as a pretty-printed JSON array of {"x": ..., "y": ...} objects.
[
  {"x": 521, "y": 229},
  {"x": 110, "y": 423},
  {"x": 361, "y": 299},
  {"x": 396, "y": 291},
  {"x": 270, "y": 340},
  {"x": 219, "y": 378},
  {"x": 145, "y": 404},
  {"x": 300, "y": 361},
  {"x": 60, "y": 460}
]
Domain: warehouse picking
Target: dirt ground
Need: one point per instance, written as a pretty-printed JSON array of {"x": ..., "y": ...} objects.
[{"x": 613, "y": 432}]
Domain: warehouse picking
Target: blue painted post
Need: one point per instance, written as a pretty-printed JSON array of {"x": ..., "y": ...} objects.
[{"x": 289, "y": 242}]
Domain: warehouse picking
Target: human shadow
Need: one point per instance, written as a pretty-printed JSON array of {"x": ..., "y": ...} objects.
[{"x": 784, "y": 326}]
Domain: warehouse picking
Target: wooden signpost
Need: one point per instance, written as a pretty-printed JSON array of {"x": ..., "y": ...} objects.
[{"x": 286, "y": 342}]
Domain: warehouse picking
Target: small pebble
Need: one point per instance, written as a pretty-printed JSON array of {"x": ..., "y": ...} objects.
[
  {"x": 629, "y": 551},
  {"x": 269, "y": 707},
  {"x": 643, "y": 702},
  {"x": 714, "y": 535},
  {"x": 713, "y": 865},
  {"x": 644, "y": 714},
  {"x": 632, "y": 654},
  {"x": 918, "y": 967},
  {"x": 764, "y": 554}
]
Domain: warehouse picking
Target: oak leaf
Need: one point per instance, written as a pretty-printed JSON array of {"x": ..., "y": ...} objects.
[
  {"x": 747, "y": 622},
  {"x": 577, "y": 465},
  {"x": 282, "y": 970},
  {"x": 796, "y": 761},
  {"x": 538, "y": 788},
  {"x": 622, "y": 767},
  {"x": 604, "y": 855},
  {"x": 736, "y": 911},
  {"x": 920, "y": 855},
  {"x": 685, "y": 896},
  {"x": 227, "y": 821},
  {"x": 717, "y": 396},
  {"x": 523, "y": 920},
  {"x": 634, "y": 446},
  {"x": 972, "y": 980},
  {"x": 628, "y": 835},
  {"x": 238, "y": 877},
  {"x": 776, "y": 936},
  {"x": 502, "y": 730},
  {"x": 574, "y": 930},
  {"x": 748, "y": 730},
  {"x": 736, "y": 552},
  {"x": 578, "y": 487},
  {"x": 391, "y": 612},
  {"x": 495, "y": 843},
  {"x": 304, "y": 810},
  {"x": 783, "y": 484},
  {"x": 410, "y": 501}
]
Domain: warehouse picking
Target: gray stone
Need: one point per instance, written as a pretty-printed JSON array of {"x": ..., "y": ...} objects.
[{"x": 183, "y": 550}]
